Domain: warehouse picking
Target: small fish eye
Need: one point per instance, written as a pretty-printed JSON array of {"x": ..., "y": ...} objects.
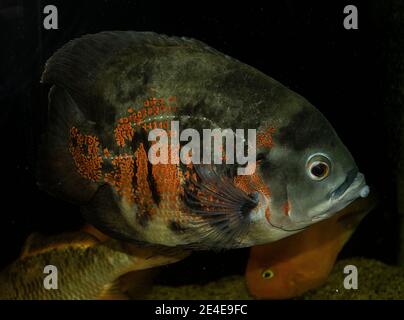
[
  {"x": 318, "y": 167},
  {"x": 267, "y": 274}
]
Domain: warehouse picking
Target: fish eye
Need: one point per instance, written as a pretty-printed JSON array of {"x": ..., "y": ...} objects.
[
  {"x": 267, "y": 274},
  {"x": 318, "y": 167}
]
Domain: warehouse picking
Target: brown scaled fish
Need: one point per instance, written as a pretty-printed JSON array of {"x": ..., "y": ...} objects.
[
  {"x": 109, "y": 90},
  {"x": 290, "y": 267},
  {"x": 88, "y": 268}
]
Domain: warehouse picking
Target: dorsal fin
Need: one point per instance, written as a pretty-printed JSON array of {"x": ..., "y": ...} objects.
[
  {"x": 37, "y": 243},
  {"x": 76, "y": 65}
]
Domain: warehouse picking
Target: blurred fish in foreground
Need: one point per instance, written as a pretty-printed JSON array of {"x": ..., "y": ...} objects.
[
  {"x": 290, "y": 267},
  {"x": 89, "y": 267}
]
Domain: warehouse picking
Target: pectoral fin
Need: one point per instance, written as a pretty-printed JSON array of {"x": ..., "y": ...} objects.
[{"x": 223, "y": 207}]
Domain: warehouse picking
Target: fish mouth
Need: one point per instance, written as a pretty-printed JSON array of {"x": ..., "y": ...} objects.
[
  {"x": 353, "y": 187},
  {"x": 353, "y": 182}
]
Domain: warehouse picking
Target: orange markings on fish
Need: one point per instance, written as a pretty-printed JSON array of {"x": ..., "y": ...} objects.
[
  {"x": 124, "y": 131},
  {"x": 264, "y": 139},
  {"x": 121, "y": 177},
  {"x": 125, "y": 128},
  {"x": 106, "y": 153},
  {"x": 168, "y": 181},
  {"x": 286, "y": 208},
  {"x": 143, "y": 191},
  {"x": 267, "y": 214},
  {"x": 251, "y": 183},
  {"x": 85, "y": 152}
]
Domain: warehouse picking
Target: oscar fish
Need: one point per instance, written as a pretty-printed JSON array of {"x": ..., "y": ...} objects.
[
  {"x": 289, "y": 267},
  {"x": 109, "y": 90},
  {"x": 88, "y": 267}
]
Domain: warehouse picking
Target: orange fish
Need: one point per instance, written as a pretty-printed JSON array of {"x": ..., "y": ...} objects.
[{"x": 290, "y": 267}]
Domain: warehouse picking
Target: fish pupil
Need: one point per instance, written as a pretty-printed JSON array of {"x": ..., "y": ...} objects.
[{"x": 319, "y": 170}]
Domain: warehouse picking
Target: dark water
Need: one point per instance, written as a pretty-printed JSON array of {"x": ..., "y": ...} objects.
[{"x": 350, "y": 75}]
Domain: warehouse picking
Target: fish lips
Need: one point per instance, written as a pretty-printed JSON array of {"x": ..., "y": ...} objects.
[{"x": 352, "y": 188}]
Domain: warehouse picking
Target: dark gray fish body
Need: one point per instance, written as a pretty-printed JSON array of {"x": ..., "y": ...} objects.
[{"x": 111, "y": 89}]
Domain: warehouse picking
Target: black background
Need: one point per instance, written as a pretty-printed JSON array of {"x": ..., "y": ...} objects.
[{"x": 347, "y": 74}]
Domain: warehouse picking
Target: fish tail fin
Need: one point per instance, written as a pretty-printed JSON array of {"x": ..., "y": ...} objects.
[{"x": 57, "y": 172}]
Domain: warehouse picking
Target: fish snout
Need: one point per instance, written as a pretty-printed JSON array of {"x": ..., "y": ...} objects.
[{"x": 353, "y": 187}]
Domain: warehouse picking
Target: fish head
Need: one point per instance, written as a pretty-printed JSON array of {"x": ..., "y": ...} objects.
[{"x": 309, "y": 171}]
